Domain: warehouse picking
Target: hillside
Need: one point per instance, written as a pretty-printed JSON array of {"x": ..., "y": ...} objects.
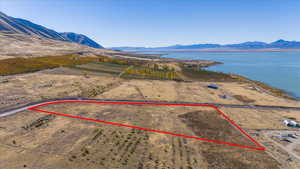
[
  {"x": 21, "y": 26},
  {"x": 21, "y": 45},
  {"x": 25, "y": 27},
  {"x": 81, "y": 39}
]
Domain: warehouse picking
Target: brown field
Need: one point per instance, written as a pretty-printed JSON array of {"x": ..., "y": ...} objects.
[{"x": 70, "y": 143}]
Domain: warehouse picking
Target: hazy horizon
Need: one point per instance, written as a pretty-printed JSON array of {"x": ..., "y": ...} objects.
[{"x": 148, "y": 23}]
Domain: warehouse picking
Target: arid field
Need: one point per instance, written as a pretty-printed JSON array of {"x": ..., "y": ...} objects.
[
  {"x": 31, "y": 139},
  {"x": 73, "y": 143}
]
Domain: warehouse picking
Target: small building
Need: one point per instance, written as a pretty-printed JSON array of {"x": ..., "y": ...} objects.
[
  {"x": 213, "y": 86},
  {"x": 291, "y": 123},
  {"x": 285, "y": 122},
  {"x": 224, "y": 96}
]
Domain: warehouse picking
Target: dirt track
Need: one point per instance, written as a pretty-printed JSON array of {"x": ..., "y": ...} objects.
[{"x": 12, "y": 111}]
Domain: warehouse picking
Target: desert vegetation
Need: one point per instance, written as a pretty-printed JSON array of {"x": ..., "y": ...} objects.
[
  {"x": 131, "y": 69},
  {"x": 115, "y": 61},
  {"x": 24, "y": 65},
  {"x": 150, "y": 73},
  {"x": 120, "y": 61},
  {"x": 102, "y": 67},
  {"x": 200, "y": 74},
  {"x": 128, "y": 68}
]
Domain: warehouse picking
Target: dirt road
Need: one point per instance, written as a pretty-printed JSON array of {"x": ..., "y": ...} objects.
[{"x": 12, "y": 111}]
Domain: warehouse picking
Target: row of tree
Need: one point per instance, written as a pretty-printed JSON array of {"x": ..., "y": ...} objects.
[
  {"x": 152, "y": 73},
  {"x": 160, "y": 67},
  {"x": 115, "y": 61}
]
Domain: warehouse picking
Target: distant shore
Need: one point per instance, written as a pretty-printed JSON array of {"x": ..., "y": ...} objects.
[{"x": 214, "y": 50}]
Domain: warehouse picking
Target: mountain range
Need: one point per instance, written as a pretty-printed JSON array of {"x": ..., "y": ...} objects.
[
  {"x": 22, "y": 26},
  {"x": 279, "y": 44}
]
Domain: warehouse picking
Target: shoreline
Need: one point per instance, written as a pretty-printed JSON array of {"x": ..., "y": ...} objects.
[
  {"x": 269, "y": 88},
  {"x": 214, "y": 50},
  {"x": 275, "y": 91}
]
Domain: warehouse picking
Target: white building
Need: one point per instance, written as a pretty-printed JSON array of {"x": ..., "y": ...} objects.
[{"x": 290, "y": 123}]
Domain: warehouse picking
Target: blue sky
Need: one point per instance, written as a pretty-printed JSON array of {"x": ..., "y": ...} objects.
[{"x": 164, "y": 22}]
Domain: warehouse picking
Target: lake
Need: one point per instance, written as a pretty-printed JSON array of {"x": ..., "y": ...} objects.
[{"x": 277, "y": 69}]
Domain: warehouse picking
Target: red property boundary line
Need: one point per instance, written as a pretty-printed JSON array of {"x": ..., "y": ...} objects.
[{"x": 259, "y": 146}]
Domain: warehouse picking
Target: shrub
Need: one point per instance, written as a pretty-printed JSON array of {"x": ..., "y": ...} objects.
[
  {"x": 24, "y": 65},
  {"x": 153, "y": 73}
]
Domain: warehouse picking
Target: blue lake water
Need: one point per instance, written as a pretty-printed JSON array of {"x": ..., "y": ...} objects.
[{"x": 277, "y": 69}]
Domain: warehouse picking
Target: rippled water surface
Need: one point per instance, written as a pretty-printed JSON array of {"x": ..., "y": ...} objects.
[{"x": 278, "y": 69}]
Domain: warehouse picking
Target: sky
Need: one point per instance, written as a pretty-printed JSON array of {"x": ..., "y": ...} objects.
[{"x": 153, "y": 23}]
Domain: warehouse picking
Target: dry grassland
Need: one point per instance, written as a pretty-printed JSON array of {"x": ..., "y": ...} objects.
[{"x": 70, "y": 143}]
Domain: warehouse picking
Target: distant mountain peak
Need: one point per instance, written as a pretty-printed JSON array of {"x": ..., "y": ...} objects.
[
  {"x": 280, "y": 41},
  {"x": 82, "y": 39}
]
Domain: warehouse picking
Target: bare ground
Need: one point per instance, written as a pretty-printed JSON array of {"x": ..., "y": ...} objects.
[{"x": 67, "y": 143}]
